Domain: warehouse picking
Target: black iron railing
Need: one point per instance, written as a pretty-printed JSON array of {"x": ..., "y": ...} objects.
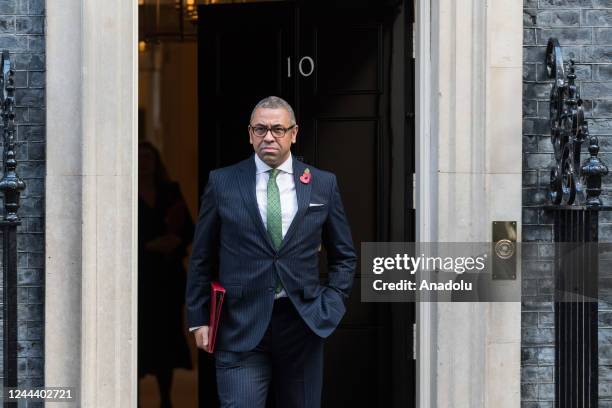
[
  {"x": 576, "y": 307},
  {"x": 570, "y": 182},
  {"x": 575, "y": 190},
  {"x": 11, "y": 186}
]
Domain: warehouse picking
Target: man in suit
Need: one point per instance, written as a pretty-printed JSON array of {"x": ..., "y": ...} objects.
[{"x": 261, "y": 226}]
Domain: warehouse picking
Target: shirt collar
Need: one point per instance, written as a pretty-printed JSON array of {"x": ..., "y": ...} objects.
[{"x": 262, "y": 167}]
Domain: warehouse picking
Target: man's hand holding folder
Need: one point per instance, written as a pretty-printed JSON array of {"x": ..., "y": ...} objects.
[
  {"x": 201, "y": 338},
  {"x": 205, "y": 336}
]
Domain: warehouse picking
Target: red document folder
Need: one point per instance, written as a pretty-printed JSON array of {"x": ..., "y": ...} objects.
[{"x": 217, "y": 293}]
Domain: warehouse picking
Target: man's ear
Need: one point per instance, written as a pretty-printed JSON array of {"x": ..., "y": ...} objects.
[{"x": 295, "y": 132}]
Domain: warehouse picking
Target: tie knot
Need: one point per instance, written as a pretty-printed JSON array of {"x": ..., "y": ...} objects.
[{"x": 274, "y": 173}]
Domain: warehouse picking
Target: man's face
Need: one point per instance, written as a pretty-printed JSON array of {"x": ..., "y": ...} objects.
[{"x": 272, "y": 150}]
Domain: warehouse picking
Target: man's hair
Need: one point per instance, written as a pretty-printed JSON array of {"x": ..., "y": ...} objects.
[{"x": 274, "y": 102}]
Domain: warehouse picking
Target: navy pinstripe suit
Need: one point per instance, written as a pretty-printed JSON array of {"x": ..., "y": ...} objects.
[{"x": 231, "y": 238}]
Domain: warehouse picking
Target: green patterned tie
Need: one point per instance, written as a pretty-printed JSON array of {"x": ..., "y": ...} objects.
[{"x": 274, "y": 218}]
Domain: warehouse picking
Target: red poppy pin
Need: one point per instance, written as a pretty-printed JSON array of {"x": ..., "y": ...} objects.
[{"x": 306, "y": 176}]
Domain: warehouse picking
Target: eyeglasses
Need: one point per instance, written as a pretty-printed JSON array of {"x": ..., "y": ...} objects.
[{"x": 277, "y": 131}]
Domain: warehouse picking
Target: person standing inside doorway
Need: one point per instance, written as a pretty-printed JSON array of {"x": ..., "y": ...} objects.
[
  {"x": 165, "y": 229},
  {"x": 260, "y": 228}
]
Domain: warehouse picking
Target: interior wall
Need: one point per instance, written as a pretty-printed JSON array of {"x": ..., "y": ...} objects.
[
  {"x": 168, "y": 114},
  {"x": 168, "y": 99}
]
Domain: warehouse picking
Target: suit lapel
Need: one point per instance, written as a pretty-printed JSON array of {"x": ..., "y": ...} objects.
[
  {"x": 246, "y": 182},
  {"x": 303, "y": 198}
]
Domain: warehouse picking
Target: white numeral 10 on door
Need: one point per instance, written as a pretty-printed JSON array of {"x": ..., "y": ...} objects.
[{"x": 306, "y": 66}]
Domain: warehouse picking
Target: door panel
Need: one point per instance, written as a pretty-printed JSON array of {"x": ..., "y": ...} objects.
[
  {"x": 344, "y": 119},
  {"x": 258, "y": 64},
  {"x": 341, "y": 387},
  {"x": 343, "y": 69},
  {"x": 356, "y": 173},
  {"x": 349, "y": 105}
]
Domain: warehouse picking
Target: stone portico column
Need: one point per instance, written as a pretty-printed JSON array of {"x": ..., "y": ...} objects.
[
  {"x": 91, "y": 213},
  {"x": 469, "y": 94}
]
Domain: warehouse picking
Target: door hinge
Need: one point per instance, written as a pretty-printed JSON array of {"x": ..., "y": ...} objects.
[
  {"x": 414, "y": 33},
  {"x": 414, "y": 197},
  {"x": 414, "y": 341}
]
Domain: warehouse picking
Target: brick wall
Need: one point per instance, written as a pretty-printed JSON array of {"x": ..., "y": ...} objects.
[
  {"x": 584, "y": 30},
  {"x": 22, "y": 33}
]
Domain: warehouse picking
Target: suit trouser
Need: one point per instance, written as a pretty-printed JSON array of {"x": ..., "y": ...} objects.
[{"x": 290, "y": 354}]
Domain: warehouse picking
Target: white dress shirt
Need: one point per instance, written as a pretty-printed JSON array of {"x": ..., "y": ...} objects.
[{"x": 288, "y": 197}]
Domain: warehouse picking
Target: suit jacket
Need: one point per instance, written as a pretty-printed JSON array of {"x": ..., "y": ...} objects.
[{"x": 231, "y": 240}]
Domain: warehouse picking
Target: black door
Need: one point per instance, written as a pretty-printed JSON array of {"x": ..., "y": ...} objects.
[
  {"x": 333, "y": 61},
  {"x": 242, "y": 51}
]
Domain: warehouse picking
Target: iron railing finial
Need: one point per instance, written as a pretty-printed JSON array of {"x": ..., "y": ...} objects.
[{"x": 10, "y": 184}]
